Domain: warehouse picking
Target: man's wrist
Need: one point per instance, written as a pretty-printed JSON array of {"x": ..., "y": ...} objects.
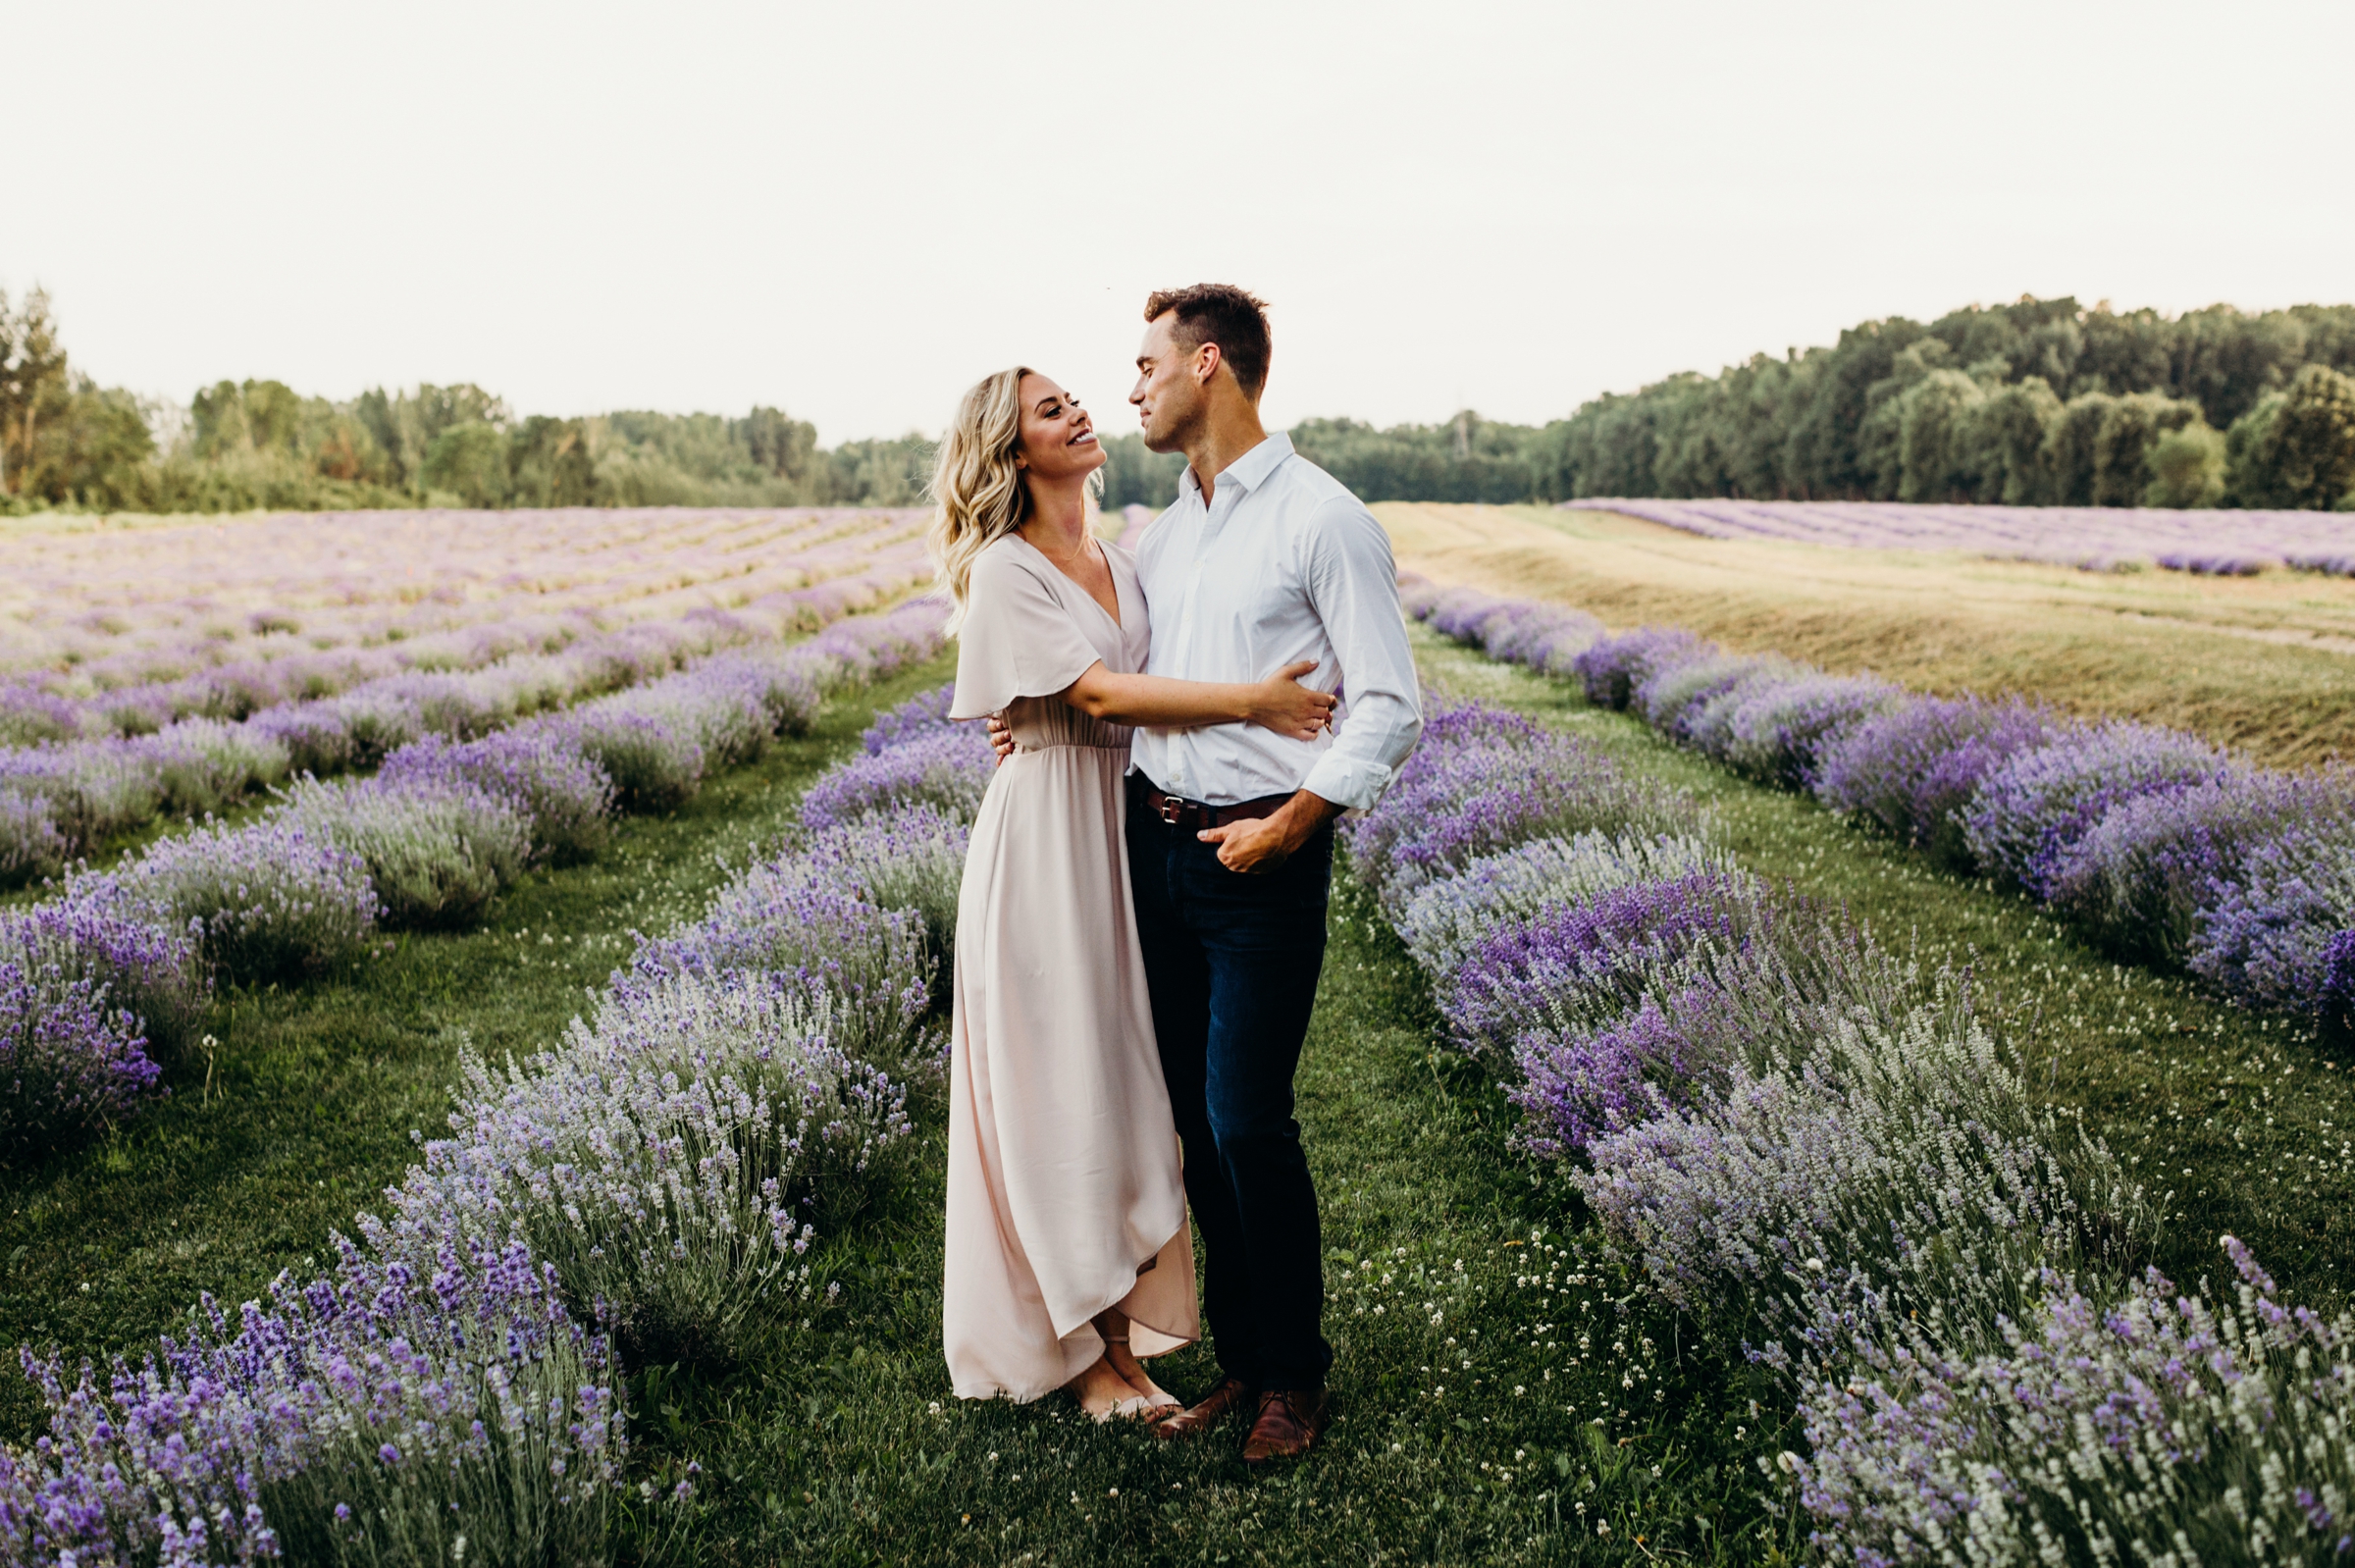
[{"x": 1302, "y": 815}]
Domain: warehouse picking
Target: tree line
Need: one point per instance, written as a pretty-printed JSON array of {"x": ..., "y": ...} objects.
[
  {"x": 67, "y": 442},
  {"x": 2039, "y": 402}
]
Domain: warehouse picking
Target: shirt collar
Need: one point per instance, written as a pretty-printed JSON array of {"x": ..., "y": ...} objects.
[{"x": 1250, "y": 471}]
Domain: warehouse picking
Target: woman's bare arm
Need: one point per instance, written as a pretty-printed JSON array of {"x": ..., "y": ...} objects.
[{"x": 1280, "y": 703}]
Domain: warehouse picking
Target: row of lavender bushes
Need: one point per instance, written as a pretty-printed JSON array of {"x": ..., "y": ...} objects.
[
  {"x": 2161, "y": 848},
  {"x": 1830, "y": 1158},
  {"x": 101, "y": 984},
  {"x": 67, "y": 797},
  {"x": 660, "y": 1171}
]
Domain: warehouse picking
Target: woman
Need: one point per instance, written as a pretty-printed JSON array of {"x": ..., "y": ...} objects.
[{"x": 1068, "y": 1251}]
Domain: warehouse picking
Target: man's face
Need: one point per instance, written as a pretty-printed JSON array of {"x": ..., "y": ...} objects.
[{"x": 1169, "y": 394}]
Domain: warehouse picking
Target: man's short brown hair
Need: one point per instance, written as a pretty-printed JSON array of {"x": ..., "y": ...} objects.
[{"x": 1223, "y": 314}]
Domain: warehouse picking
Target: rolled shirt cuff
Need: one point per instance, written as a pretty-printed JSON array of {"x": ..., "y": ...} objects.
[{"x": 1346, "y": 780}]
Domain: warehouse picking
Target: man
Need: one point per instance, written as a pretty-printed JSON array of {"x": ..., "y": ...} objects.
[{"x": 1264, "y": 560}]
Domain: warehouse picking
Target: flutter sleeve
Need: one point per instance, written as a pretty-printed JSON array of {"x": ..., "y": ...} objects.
[{"x": 1017, "y": 640}]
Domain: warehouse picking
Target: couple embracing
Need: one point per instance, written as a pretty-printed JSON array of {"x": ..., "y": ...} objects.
[{"x": 1142, "y": 916}]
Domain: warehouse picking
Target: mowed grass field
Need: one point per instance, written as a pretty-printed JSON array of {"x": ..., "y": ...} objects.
[{"x": 2264, "y": 663}]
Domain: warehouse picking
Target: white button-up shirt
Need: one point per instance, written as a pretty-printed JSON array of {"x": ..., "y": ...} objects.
[{"x": 1282, "y": 564}]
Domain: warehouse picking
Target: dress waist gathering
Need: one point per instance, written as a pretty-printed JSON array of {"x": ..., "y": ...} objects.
[{"x": 1048, "y": 725}]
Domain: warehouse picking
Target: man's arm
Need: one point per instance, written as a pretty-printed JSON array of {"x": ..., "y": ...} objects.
[{"x": 1352, "y": 584}]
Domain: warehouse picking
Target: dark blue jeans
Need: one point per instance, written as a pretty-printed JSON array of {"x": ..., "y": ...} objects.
[{"x": 1232, "y": 963}]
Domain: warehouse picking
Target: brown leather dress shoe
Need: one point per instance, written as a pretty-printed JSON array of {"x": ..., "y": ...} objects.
[
  {"x": 1290, "y": 1421},
  {"x": 1213, "y": 1409}
]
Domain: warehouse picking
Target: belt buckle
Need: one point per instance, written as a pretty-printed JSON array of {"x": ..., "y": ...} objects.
[{"x": 1170, "y": 810}]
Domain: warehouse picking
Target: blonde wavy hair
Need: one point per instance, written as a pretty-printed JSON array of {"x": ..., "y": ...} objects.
[{"x": 977, "y": 492}]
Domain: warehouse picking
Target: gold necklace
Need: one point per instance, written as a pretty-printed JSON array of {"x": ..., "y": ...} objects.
[{"x": 1065, "y": 566}]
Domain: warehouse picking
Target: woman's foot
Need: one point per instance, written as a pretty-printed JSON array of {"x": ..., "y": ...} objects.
[
  {"x": 1104, "y": 1394},
  {"x": 1158, "y": 1402}
]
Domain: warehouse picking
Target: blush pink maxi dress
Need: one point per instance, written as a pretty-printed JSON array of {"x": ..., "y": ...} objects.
[{"x": 1064, "y": 1175}]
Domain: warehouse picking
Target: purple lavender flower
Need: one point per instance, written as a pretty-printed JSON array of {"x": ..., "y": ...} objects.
[
  {"x": 2272, "y": 935},
  {"x": 1612, "y": 668},
  {"x": 316, "y": 739},
  {"x": 1843, "y": 1179},
  {"x": 723, "y": 709},
  {"x": 911, "y": 858},
  {"x": 2140, "y": 879},
  {"x": 793, "y": 922},
  {"x": 1913, "y": 769},
  {"x": 30, "y": 845},
  {"x": 853, "y": 653},
  {"x": 2100, "y": 1414},
  {"x": 437, "y": 851},
  {"x": 1448, "y": 917},
  {"x": 2216, "y": 563},
  {"x": 1483, "y": 780},
  {"x": 1601, "y": 953},
  {"x": 2029, "y": 811},
  {"x": 1778, "y": 730},
  {"x": 923, "y": 716},
  {"x": 205, "y": 765},
  {"x": 780, "y": 680},
  {"x": 1679, "y": 699},
  {"x": 2337, "y": 965},
  {"x": 567, "y": 798},
  {"x": 655, "y": 763},
  {"x": 265, "y": 1437},
  {"x": 144, "y": 967},
  {"x": 70, "y": 1061},
  {"x": 666, "y": 1160},
  {"x": 946, "y": 767},
  {"x": 377, "y": 721},
  {"x": 267, "y": 902},
  {"x": 33, "y": 716}
]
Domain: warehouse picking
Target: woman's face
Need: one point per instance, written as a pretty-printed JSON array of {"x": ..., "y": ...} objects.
[{"x": 1059, "y": 440}]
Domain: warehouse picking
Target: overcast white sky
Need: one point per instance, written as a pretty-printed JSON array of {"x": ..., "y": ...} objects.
[{"x": 853, "y": 210}]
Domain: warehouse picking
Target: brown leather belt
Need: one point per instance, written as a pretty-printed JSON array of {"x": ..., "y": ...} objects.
[{"x": 1178, "y": 811}]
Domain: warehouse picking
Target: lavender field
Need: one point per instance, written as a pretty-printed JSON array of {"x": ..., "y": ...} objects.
[
  {"x": 173, "y": 671},
  {"x": 2225, "y": 543},
  {"x": 1690, "y": 1190},
  {"x": 1831, "y": 1154},
  {"x": 489, "y": 703}
]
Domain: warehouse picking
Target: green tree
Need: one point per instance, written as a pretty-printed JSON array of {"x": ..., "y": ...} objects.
[
  {"x": 1466, "y": 459},
  {"x": 879, "y": 473},
  {"x": 784, "y": 447},
  {"x": 404, "y": 425},
  {"x": 469, "y": 461},
  {"x": 2296, "y": 448},
  {"x": 92, "y": 449},
  {"x": 2130, "y": 428},
  {"x": 1936, "y": 456},
  {"x": 549, "y": 464},
  {"x": 2007, "y": 436},
  {"x": 2187, "y": 467},
  {"x": 2070, "y": 449},
  {"x": 1833, "y": 422},
  {"x": 1136, "y": 476},
  {"x": 32, "y": 377}
]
